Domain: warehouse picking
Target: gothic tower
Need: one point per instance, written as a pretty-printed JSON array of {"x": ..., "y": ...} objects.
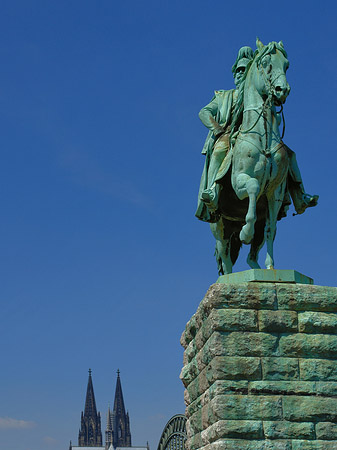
[
  {"x": 90, "y": 434},
  {"x": 118, "y": 424}
]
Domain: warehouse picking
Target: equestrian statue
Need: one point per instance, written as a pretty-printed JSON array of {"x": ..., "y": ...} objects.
[{"x": 250, "y": 176}]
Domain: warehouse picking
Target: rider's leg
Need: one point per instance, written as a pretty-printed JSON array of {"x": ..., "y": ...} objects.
[
  {"x": 300, "y": 198},
  {"x": 211, "y": 194},
  {"x": 219, "y": 152}
]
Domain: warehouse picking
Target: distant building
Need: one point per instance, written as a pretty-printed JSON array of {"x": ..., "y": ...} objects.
[
  {"x": 118, "y": 424},
  {"x": 117, "y": 433},
  {"x": 90, "y": 434}
]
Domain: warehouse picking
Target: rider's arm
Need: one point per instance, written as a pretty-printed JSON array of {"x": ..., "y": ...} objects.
[{"x": 207, "y": 116}]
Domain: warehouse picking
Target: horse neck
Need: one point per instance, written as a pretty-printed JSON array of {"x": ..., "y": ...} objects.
[{"x": 259, "y": 125}]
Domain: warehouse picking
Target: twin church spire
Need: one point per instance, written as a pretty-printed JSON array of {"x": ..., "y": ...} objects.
[
  {"x": 117, "y": 431},
  {"x": 90, "y": 434},
  {"x": 118, "y": 424}
]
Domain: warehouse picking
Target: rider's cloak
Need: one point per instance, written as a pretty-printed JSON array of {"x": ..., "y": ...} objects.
[{"x": 216, "y": 115}]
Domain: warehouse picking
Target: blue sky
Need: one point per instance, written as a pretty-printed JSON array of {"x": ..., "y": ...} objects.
[{"x": 102, "y": 260}]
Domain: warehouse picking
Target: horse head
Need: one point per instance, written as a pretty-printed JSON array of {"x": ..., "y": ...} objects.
[{"x": 272, "y": 65}]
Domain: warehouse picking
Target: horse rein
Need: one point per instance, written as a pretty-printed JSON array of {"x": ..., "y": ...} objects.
[{"x": 271, "y": 91}]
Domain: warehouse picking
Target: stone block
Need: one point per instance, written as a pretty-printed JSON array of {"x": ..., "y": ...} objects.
[
  {"x": 187, "y": 399},
  {"x": 194, "y": 406},
  {"x": 306, "y": 298},
  {"x": 309, "y": 409},
  {"x": 318, "y": 369},
  {"x": 278, "y": 321},
  {"x": 243, "y": 343},
  {"x": 222, "y": 387},
  {"x": 275, "y": 368},
  {"x": 189, "y": 372},
  {"x": 190, "y": 352},
  {"x": 308, "y": 345},
  {"x": 289, "y": 430},
  {"x": 195, "y": 422},
  {"x": 195, "y": 442},
  {"x": 282, "y": 387},
  {"x": 246, "y": 407},
  {"x": 239, "y": 296},
  {"x": 233, "y": 320},
  {"x": 199, "y": 385},
  {"x": 317, "y": 322},
  {"x": 223, "y": 320},
  {"x": 238, "y": 429},
  {"x": 234, "y": 368},
  {"x": 326, "y": 430},
  {"x": 326, "y": 388}
]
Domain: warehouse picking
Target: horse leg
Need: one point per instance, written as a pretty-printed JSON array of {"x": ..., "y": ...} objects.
[
  {"x": 222, "y": 248},
  {"x": 256, "y": 245},
  {"x": 270, "y": 230},
  {"x": 247, "y": 186}
]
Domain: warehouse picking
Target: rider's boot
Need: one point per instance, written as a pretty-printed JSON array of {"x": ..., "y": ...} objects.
[
  {"x": 301, "y": 199},
  {"x": 211, "y": 197}
]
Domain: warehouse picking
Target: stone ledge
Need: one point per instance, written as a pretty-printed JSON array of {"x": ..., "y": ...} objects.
[
  {"x": 313, "y": 445},
  {"x": 315, "y": 388},
  {"x": 265, "y": 276}
]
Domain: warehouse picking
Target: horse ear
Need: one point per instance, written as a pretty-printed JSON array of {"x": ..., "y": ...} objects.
[
  {"x": 281, "y": 44},
  {"x": 259, "y": 44}
]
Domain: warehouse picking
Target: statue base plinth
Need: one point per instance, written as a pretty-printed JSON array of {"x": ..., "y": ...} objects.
[
  {"x": 260, "y": 368},
  {"x": 266, "y": 276}
]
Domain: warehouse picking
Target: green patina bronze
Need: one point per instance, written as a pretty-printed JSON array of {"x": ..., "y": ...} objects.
[
  {"x": 265, "y": 276},
  {"x": 250, "y": 176}
]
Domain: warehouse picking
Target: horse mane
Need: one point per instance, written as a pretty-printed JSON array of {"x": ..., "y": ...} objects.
[{"x": 258, "y": 55}]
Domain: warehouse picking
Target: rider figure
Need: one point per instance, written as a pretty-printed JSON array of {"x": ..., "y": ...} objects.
[{"x": 217, "y": 117}]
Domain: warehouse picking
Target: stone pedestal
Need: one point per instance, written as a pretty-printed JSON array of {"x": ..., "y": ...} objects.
[{"x": 260, "y": 368}]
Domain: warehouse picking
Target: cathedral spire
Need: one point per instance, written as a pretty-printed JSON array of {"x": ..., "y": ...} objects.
[
  {"x": 90, "y": 403},
  {"x": 119, "y": 407},
  {"x": 90, "y": 434},
  {"x": 120, "y": 423}
]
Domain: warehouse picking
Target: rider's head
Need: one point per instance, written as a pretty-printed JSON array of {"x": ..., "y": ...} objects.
[{"x": 245, "y": 55}]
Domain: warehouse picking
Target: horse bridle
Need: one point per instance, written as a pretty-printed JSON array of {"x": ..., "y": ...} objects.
[{"x": 269, "y": 100}]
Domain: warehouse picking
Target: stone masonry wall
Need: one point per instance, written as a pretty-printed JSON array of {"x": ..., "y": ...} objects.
[{"x": 260, "y": 368}]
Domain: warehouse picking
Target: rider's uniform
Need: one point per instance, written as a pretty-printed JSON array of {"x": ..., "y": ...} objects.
[{"x": 217, "y": 117}]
